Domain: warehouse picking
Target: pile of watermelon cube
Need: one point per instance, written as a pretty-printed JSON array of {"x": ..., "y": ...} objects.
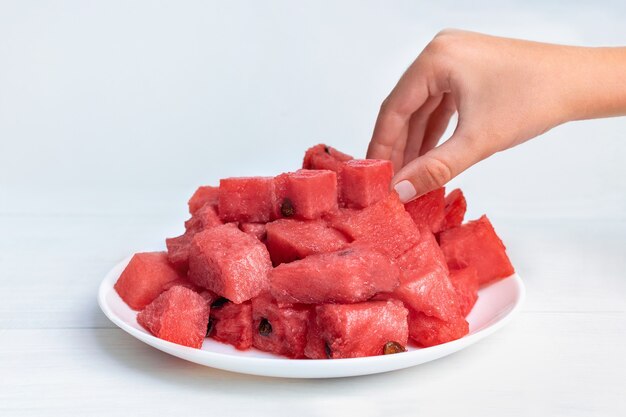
[{"x": 321, "y": 263}]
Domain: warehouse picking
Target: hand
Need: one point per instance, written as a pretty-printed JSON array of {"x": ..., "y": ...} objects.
[{"x": 506, "y": 91}]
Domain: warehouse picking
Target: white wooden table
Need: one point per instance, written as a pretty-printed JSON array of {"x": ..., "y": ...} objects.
[{"x": 110, "y": 114}]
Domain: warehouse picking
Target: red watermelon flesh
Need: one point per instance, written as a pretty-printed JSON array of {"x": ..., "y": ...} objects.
[
  {"x": 356, "y": 330},
  {"x": 231, "y": 323},
  {"x": 476, "y": 244},
  {"x": 178, "y": 247},
  {"x": 246, "y": 199},
  {"x": 203, "y": 218},
  {"x": 178, "y": 251},
  {"x": 289, "y": 240},
  {"x": 144, "y": 278},
  {"x": 424, "y": 283},
  {"x": 305, "y": 194},
  {"x": 454, "y": 210},
  {"x": 279, "y": 330},
  {"x": 349, "y": 275},
  {"x": 229, "y": 262},
  {"x": 209, "y": 296},
  {"x": 385, "y": 225},
  {"x": 428, "y": 210},
  {"x": 257, "y": 230},
  {"x": 204, "y": 195},
  {"x": 465, "y": 282},
  {"x": 426, "y": 253},
  {"x": 324, "y": 157},
  {"x": 430, "y": 331},
  {"x": 364, "y": 182},
  {"x": 178, "y": 315}
]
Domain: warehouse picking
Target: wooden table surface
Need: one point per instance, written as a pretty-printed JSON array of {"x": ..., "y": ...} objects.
[{"x": 111, "y": 113}]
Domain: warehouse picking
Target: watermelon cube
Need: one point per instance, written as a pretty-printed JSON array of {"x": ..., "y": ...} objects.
[
  {"x": 205, "y": 195},
  {"x": 428, "y": 210},
  {"x": 430, "y": 331},
  {"x": 424, "y": 283},
  {"x": 324, "y": 157},
  {"x": 349, "y": 275},
  {"x": 305, "y": 194},
  {"x": 454, "y": 210},
  {"x": 246, "y": 199},
  {"x": 231, "y": 323},
  {"x": 385, "y": 225},
  {"x": 465, "y": 282},
  {"x": 203, "y": 218},
  {"x": 289, "y": 240},
  {"x": 364, "y": 182},
  {"x": 229, "y": 262},
  {"x": 257, "y": 230},
  {"x": 476, "y": 244},
  {"x": 279, "y": 330},
  {"x": 357, "y": 330},
  {"x": 144, "y": 278},
  {"x": 178, "y": 315},
  {"x": 178, "y": 247}
]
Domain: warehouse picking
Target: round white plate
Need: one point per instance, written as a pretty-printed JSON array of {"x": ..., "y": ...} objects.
[{"x": 495, "y": 306}]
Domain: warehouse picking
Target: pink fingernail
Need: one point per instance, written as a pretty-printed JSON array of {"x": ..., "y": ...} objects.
[{"x": 405, "y": 190}]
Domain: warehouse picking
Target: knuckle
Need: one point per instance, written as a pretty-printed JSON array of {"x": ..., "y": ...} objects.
[
  {"x": 384, "y": 106},
  {"x": 445, "y": 43},
  {"x": 437, "y": 172},
  {"x": 447, "y": 32}
]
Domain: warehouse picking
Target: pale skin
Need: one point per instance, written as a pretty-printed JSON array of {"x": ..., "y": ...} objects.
[{"x": 506, "y": 91}]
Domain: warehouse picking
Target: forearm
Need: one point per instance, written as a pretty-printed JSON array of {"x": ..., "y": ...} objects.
[{"x": 593, "y": 82}]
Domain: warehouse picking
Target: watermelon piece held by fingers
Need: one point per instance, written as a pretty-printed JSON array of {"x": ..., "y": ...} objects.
[
  {"x": 476, "y": 244},
  {"x": 364, "y": 182},
  {"x": 144, "y": 278},
  {"x": 178, "y": 315}
]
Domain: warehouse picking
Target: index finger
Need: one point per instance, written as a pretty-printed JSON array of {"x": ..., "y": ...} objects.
[{"x": 408, "y": 95}]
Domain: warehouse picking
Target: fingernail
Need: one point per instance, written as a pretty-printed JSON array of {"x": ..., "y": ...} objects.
[{"x": 405, "y": 190}]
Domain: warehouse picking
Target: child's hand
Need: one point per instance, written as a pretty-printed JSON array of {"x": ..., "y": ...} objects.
[{"x": 506, "y": 91}]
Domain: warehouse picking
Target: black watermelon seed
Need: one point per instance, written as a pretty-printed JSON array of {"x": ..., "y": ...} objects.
[
  {"x": 393, "y": 347},
  {"x": 329, "y": 353},
  {"x": 327, "y": 150},
  {"x": 219, "y": 302},
  {"x": 265, "y": 327},
  {"x": 287, "y": 209},
  {"x": 209, "y": 327}
]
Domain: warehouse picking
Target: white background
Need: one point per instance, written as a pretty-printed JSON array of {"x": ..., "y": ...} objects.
[{"x": 111, "y": 113}]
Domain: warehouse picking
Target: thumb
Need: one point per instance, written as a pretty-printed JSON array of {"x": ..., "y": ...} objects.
[{"x": 436, "y": 167}]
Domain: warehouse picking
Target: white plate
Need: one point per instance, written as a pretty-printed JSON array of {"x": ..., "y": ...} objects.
[{"x": 495, "y": 306}]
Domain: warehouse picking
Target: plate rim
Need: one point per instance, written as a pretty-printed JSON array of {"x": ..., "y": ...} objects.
[{"x": 288, "y": 368}]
